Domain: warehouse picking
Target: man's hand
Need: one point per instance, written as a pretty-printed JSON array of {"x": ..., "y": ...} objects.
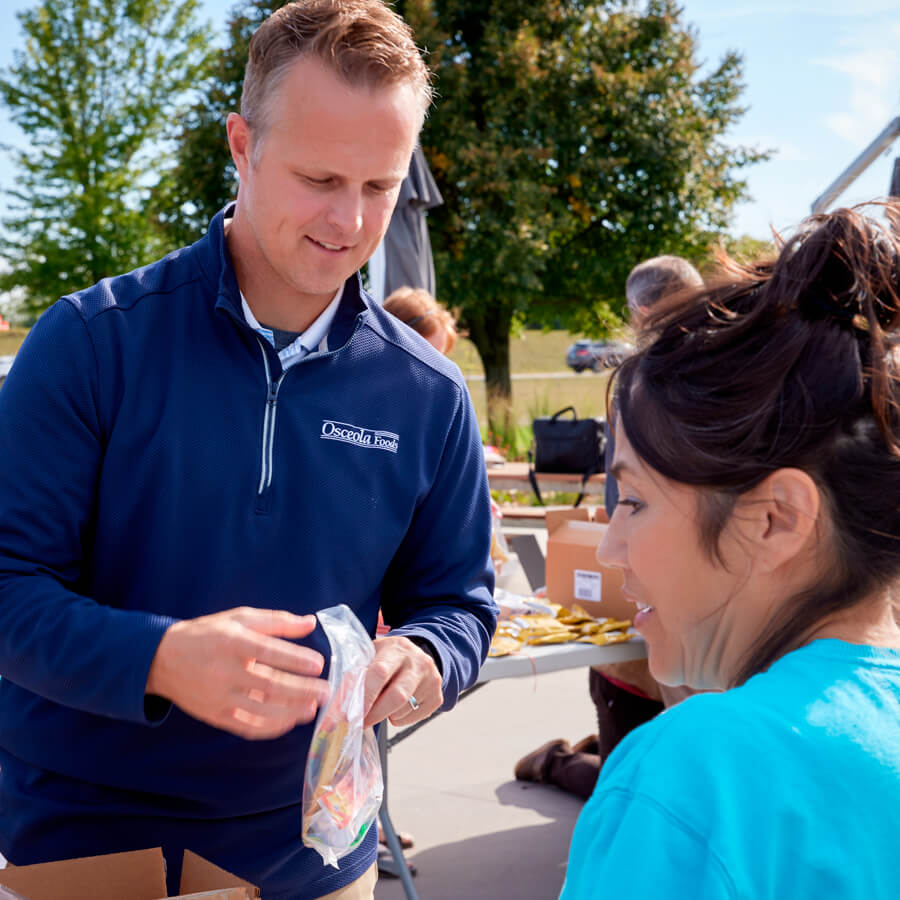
[
  {"x": 233, "y": 671},
  {"x": 399, "y": 671}
]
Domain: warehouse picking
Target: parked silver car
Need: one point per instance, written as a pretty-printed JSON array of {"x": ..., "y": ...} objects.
[{"x": 596, "y": 355}]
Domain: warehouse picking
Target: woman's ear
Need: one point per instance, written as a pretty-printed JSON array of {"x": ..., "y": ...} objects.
[{"x": 779, "y": 516}]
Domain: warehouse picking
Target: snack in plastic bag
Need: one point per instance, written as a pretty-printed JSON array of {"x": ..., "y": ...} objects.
[
  {"x": 499, "y": 547},
  {"x": 343, "y": 787}
]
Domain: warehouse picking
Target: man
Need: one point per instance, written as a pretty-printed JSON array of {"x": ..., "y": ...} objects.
[
  {"x": 201, "y": 454},
  {"x": 625, "y": 694}
]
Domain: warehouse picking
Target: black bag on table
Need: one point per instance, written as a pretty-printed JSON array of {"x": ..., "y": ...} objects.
[{"x": 563, "y": 445}]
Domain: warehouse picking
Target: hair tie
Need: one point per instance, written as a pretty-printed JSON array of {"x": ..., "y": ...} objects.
[{"x": 415, "y": 319}]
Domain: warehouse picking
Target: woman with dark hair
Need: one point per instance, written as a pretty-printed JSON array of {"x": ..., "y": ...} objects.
[{"x": 758, "y": 527}]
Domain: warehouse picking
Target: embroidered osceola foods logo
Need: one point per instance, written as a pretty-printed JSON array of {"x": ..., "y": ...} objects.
[{"x": 362, "y": 437}]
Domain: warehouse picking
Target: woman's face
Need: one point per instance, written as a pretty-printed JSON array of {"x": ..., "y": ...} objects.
[{"x": 697, "y": 615}]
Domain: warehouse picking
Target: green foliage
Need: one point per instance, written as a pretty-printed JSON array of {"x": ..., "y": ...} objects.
[
  {"x": 569, "y": 141},
  {"x": 550, "y": 498},
  {"x": 513, "y": 441},
  {"x": 746, "y": 249},
  {"x": 205, "y": 175},
  {"x": 95, "y": 88}
]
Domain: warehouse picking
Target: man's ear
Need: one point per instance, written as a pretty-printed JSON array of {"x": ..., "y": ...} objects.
[
  {"x": 239, "y": 141},
  {"x": 779, "y": 516}
]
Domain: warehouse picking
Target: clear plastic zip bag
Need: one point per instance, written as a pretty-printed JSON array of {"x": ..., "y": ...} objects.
[{"x": 343, "y": 786}]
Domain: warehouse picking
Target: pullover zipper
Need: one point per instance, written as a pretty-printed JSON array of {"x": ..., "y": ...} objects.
[{"x": 268, "y": 437}]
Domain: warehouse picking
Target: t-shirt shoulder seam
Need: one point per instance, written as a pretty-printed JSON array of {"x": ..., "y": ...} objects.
[{"x": 677, "y": 822}]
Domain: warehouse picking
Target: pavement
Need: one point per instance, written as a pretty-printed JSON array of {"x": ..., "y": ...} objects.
[{"x": 479, "y": 833}]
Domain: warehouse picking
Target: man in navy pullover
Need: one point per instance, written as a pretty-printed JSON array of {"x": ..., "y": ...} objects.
[{"x": 199, "y": 455}]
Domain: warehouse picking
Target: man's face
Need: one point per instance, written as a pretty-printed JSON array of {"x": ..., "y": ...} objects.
[{"x": 317, "y": 194}]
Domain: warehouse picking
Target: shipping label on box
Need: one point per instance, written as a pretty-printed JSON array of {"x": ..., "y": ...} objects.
[
  {"x": 588, "y": 586},
  {"x": 573, "y": 572}
]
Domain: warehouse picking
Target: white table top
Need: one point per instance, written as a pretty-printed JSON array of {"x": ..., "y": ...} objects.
[{"x": 553, "y": 657}]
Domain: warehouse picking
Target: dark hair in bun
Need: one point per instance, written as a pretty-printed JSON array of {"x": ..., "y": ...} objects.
[{"x": 788, "y": 362}]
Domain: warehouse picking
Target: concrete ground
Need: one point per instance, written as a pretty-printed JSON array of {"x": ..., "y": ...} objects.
[{"x": 479, "y": 833}]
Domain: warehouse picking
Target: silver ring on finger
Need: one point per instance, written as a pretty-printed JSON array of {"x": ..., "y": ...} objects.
[{"x": 413, "y": 702}]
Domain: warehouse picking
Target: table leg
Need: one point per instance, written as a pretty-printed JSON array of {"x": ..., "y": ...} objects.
[{"x": 396, "y": 866}]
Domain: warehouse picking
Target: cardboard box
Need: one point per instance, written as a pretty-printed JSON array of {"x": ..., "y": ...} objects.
[
  {"x": 573, "y": 573},
  {"x": 138, "y": 875}
]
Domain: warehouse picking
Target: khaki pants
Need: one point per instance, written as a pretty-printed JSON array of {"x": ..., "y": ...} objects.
[{"x": 361, "y": 889}]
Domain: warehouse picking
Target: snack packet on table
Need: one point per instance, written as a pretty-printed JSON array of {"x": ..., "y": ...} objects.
[{"x": 343, "y": 786}]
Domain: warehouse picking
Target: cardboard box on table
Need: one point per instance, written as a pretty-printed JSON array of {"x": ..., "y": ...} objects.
[
  {"x": 138, "y": 875},
  {"x": 573, "y": 573}
]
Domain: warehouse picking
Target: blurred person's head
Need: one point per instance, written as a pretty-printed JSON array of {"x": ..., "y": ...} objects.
[
  {"x": 333, "y": 100},
  {"x": 758, "y": 459},
  {"x": 416, "y": 308},
  {"x": 653, "y": 279}
]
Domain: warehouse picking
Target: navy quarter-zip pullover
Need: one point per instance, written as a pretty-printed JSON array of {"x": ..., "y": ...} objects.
[{"x": 157, "y": 464}]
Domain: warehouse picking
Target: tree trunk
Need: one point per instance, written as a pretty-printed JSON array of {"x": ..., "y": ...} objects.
[{"x": 489, "y": 332}]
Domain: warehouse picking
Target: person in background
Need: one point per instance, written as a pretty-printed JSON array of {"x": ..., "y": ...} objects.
[
  {"x": 758, "y": 529},
  {"x": 416, "y": 308},
  {"x": 625, "y": 695},
  {"x": 200, "y": 455}
]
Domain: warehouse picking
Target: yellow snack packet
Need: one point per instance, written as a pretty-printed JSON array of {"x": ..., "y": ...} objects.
[
  {"x": 558, "y": 637},
  {"x": 602, "y": 638},
  {"x": 503, "y": 645},
  {"x": 537, "y": 626},
  {"x": 574, "y": 616},
  {"x": 614, "y": 625}
]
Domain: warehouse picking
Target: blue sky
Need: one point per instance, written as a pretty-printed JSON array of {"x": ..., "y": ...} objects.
[{"x": 823, "y": 79}]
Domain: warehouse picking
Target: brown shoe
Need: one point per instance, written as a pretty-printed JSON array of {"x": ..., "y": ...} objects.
[
  {"x": 533, "y": 767},
  {"x": 587, "y": 745}
]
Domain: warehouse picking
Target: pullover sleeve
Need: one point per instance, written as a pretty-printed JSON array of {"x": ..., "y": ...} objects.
[
  {"x": 54, "y": 640},
  {"x": 440, "y": 583}
]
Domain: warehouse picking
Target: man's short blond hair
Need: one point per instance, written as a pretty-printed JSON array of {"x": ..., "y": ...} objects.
[
  {"x": 362, "y": 41},
  {"x": 658, "y": 277}
]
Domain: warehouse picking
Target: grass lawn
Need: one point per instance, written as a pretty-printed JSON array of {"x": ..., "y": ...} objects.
[
  {"x": 11, "y": 340},
  {"x": 533, "y": 351},
  {"x": 535, "y": 397}
]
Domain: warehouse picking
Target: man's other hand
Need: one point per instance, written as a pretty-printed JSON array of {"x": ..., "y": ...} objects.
[
  {"x": 232, "y": 670},
  {"x": 399, "y": 671}
]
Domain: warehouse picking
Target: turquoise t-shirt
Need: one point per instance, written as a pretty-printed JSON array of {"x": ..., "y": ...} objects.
[{"x": 787, "y": 787}]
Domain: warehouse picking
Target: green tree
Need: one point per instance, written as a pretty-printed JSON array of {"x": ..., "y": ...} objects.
[
  {"x": 95, "y": 90},
  {"x": 569, "y": 141},
  {"x": 204, "y": 179}
]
